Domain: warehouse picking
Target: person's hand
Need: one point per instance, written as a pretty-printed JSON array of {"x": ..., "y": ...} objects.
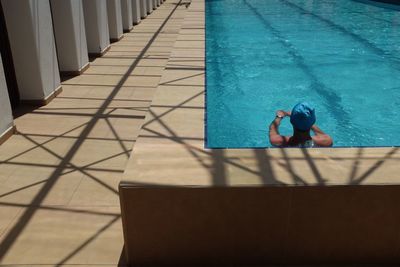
[{"x": 282, "y": 113}]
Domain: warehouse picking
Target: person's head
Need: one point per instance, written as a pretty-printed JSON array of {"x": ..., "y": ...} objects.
[{"x": 302, "y": 117}]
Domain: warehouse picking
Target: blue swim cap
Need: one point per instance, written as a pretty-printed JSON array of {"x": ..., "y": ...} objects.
[{"x": 303, "y": 116}]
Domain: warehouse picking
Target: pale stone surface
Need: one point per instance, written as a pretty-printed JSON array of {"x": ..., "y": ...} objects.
[{"x": 59, "y": 175}]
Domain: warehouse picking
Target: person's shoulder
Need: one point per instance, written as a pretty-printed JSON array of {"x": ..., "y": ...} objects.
[
  {"x": 322, "y": 140},
  {"x": 279, "y": 140}
]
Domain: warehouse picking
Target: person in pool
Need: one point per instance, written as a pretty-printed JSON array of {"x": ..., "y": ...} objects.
[{"x": 303, "y": 120}]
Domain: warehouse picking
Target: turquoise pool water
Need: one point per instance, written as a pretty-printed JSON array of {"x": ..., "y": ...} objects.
[{"x": 341, "y": 56}]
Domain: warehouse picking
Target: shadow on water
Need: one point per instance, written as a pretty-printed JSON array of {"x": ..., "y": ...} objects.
[{"x": 331, "y": 100}]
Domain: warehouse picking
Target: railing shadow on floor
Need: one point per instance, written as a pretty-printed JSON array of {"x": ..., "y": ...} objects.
[{"x": 65, "y": 165}]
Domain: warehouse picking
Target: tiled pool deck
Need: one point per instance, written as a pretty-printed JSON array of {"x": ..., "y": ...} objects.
[{"x": 59, "y": 175}]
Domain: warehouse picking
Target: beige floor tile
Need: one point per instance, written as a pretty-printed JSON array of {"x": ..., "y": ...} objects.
[
  {"x": 142, "y": 81},
  {"x": 178, "y": 63},
  {"x": 52, "y": 186},
  {"x": 104, "y": 61},
  {"x": 152, "y": 62},
  {"x": 181, "y": 77},
  {"x": 50, "y": 122},
  {"x": 179, "y": 96},
  {"x": 99, "y": 80},
  {"x": 126, "y": 129},
  {"x": 79, "y": 236},
  {"x": 120, "y": 70},
  {"x": 8, "y": 214},
  {"x": 97, "y": 189},
  {"x": 101, "y": 153},
  {"x": 186, "y": 53},
  {"x": 6, "y": 170},
  {"x": 188, "y": 44}
]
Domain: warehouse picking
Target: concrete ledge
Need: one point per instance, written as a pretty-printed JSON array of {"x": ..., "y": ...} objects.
[
  {"x": 100, "y": 54},
  {"x": 75, "y": 73},
  {"x": 43, "y": 102},
  {"x": 261, "y": 225},
  {"x": 184, "y": 204},
  {"x": 7, "y": 134}
]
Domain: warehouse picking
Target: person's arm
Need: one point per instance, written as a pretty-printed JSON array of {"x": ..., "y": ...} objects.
[
  {"x": 274, "y": 137},
  {"x": 321, "y": 138}
]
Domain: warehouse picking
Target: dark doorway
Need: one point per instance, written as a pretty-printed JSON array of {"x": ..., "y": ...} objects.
[{"x": 8, "y": 64}]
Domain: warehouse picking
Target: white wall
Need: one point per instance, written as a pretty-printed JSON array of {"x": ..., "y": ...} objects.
[
  {"x": 149, "y": 5},
  {"x": 126, "y": 7},
  {"x": 136, "y": 11},
  {"x": 69, "y": 28},
  {"x": 96, "y": 25},
  {"x": 6, "y": 119},
  {"x": 30, "y": 31},
  {"x": 143, "y": 8},
  {"x": 114, "y": 19}
]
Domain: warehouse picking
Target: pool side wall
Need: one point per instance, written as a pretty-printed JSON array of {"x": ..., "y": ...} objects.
[{"x": 262, "y": 225}]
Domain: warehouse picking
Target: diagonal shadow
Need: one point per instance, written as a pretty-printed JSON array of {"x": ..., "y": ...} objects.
[
  {"x": 98, "y": 116},
  {"x": 46, "y": 142},
  {"x": 317, "y": 174},
  {"x": 60, "y": 208},
  {"x": 73, "y": 137},
  {"x": 267, "y": 174},
  {"x": 23, "y": 188},
  {"x": 181, "y": 79},
  {"x": 102, "y": 99},
  {"x": 114, "y": 132},
  {"x": 374, "y": 167},
  {"x": 73, "y": 166},
  {"x": 25, "y": 218},
  {"x": 86, "y": 167},
  {"x": 289, "y": 167},
  {"x": 191, "y": 149},
  {"x": 157, "y": 117},
  {"x": 356, "y": 163},
  {"x": 88, "y": 241}
]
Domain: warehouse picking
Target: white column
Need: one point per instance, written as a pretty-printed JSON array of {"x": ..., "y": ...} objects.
[
  {"x": 96, "y": 26},
  {"x": 149, "y": 4},
  {"x": 126, "y": 8},
  {"x": 6, "y": 119},
  {"x": 69, "y": 30},
  {"x": 114, "y": 19},
  {"x": 143, "y": 9},
  {"x": 30, "y": 31},
  {"x": 136, "y": 12},
  {"x": 154, "y": 4},
  {"x": 158, "y": 2}
]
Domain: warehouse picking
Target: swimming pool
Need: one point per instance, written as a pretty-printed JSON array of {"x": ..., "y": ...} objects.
[{"x": 341, "y": 56}]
